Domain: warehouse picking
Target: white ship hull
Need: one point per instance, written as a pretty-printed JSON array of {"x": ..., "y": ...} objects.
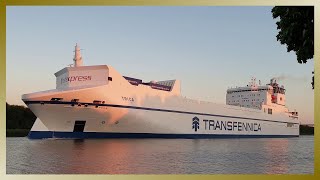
[
  {"x": 171, "y": 117},
  {"x": 98, "y": 102}
]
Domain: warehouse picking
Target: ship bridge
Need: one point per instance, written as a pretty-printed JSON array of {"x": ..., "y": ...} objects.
[{"x": 270, "y": 97}]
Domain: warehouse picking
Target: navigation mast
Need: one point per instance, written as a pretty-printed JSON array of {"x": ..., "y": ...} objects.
[{"x": 77, "y": 56}]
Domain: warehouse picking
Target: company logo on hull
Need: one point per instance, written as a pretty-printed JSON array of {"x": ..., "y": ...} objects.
[
  {"x": 231, "y": 125},
  {"x": 225, "y": 125},
  {"x": 195, "y": 123}
]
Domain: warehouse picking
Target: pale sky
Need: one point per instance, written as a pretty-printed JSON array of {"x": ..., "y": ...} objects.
[{"x": 208, "y": 48}]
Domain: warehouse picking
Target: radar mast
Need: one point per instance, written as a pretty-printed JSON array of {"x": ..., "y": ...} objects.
[{"x": 77, "y": 56}]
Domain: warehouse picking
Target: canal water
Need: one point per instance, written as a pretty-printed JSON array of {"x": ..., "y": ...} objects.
[{"x": 161, "y": 156}]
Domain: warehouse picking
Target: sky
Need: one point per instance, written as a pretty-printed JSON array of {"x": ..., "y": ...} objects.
[{"x": 208, "y": 48}]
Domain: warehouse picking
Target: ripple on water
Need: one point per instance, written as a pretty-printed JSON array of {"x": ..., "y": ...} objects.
[{"x": 161, "y": 156}]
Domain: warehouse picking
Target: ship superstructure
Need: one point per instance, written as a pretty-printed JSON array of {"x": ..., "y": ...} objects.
[
  {"x": 270, "y": 97},
  {"x": 99, "y": 102}
]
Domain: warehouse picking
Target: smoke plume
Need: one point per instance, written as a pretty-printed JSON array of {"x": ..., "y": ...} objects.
[{"x": 284, "y": 77}]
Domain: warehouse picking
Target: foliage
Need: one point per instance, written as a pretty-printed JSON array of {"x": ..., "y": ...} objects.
[
  {"x": 306, "y": 130},
  {"x": 17, "y": 132},
  {"x": 296, "y": 25},
  {"x": 19, "y": 117},
  {"x": 296, "y": 30}
]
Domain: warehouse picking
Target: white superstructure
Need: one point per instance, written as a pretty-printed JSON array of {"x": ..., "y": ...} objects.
[
  {"x": 270, "y": 97},
  {"x": 98, "y": 102}
]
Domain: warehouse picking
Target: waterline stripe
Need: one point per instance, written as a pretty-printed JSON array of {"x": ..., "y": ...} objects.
[
  {"x": 88, "y": 135},
  {"x": 152, "y": 109}
]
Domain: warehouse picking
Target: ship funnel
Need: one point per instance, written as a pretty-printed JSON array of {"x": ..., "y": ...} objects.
[{"x": 77, "y": 56}]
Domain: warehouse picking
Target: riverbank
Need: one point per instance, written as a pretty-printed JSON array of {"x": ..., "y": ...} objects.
[
  {"x": 17, "y": 132},
  {"x": 306, "y": 130}
]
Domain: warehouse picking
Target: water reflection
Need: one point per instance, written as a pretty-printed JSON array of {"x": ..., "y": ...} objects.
[
  {"x": 161, "y": 156},
  {"x": 277, "y": 154}
]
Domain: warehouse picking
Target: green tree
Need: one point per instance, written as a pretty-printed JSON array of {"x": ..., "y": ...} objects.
[
  {"x": 296, "y": 30},
  {"x": 19, "y": 117}
]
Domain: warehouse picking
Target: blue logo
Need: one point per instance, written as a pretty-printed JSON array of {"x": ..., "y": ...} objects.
[{"x": 195, "y": 123}]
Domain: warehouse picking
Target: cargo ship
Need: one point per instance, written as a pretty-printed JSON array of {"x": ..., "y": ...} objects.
[{"x": 99, "y": 102}]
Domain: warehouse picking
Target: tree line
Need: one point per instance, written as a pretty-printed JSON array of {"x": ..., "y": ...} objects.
[{"x": 19, "y": 117}]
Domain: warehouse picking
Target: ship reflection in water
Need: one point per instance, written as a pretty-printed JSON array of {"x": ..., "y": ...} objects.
[
  {"x": 161, "y": 156},
  {"x": 278, "y": 155}
]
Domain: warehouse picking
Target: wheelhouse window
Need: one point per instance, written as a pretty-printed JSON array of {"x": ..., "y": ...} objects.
[
  {"x": 110, "y": 78},
  {"x": 269, "y": 111}
]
